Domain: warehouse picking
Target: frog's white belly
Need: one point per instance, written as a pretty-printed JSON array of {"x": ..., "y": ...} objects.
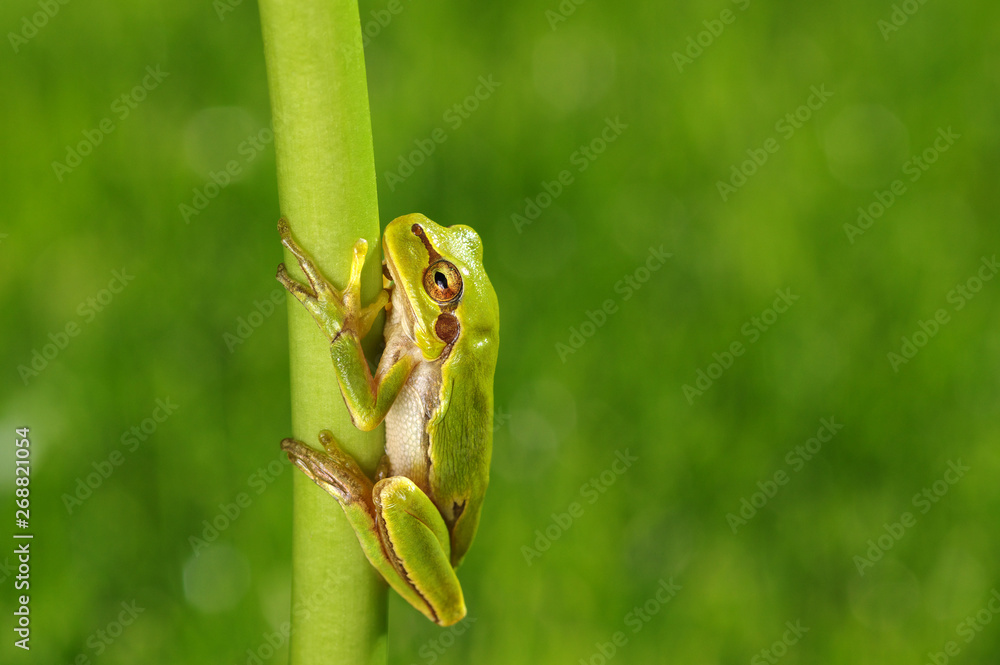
[{"x": 406, "y": 438}]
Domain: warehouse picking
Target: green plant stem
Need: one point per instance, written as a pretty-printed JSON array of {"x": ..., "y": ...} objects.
[{"x": 326, "y": 188}]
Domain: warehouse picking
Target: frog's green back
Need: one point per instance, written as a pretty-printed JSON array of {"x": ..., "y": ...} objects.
[
  {"x": 462, "y": 440},
  {"x": 462, "y": 433}
]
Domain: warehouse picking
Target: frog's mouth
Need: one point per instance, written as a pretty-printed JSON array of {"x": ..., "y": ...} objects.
[{"x": 400, "y": 310}]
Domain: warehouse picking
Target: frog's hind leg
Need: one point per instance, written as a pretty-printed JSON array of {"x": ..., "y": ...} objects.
[
  {"x": 416, "y": 537},
  {"x": 400, "y": 530}
]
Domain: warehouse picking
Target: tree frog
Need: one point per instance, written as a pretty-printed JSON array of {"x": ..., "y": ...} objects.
[{"x": 433, "y": 387}]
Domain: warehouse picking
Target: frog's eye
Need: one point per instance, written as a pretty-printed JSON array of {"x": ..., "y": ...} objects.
[{"x": 443, "y": 282}]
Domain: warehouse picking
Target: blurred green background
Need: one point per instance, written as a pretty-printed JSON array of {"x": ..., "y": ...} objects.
[{"x": 196, "y": 284}]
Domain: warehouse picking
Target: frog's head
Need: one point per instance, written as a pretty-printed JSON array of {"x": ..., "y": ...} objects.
[{"x": 445, "y": 291}]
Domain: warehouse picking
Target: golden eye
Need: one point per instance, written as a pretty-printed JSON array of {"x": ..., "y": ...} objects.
[{"x": 443, "y": 282}]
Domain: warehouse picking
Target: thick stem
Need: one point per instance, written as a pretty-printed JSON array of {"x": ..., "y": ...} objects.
[{"x": 326, "y": 188}]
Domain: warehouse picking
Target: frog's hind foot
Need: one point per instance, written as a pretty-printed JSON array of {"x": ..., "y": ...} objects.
[{"x": 335, "y": 471}]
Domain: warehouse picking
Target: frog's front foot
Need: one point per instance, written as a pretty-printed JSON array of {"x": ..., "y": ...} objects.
[{"x": 335, "y": 311}]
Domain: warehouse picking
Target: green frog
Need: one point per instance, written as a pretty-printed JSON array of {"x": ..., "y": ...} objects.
[{"x": 433, "y": 387}]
